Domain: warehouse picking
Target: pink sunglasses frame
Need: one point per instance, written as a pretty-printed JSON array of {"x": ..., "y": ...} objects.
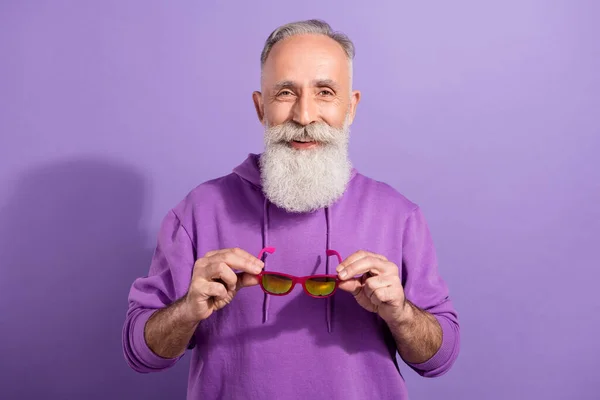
[{"x": 298, "y": 279}]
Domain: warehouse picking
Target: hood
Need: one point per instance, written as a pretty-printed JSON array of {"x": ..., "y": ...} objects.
[{"x": 249, "y": 171}]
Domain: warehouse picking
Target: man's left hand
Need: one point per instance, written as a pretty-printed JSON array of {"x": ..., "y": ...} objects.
[{"x": 378, "y": 288}]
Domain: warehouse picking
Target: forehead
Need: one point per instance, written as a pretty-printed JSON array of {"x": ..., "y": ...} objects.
[{"x": 304, "y": 58}]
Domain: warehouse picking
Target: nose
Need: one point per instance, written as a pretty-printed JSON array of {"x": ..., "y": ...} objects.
[{"x": 305, "y": 110}]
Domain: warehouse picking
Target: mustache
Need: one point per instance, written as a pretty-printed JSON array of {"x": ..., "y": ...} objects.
[{"x": 289, "y": 131}]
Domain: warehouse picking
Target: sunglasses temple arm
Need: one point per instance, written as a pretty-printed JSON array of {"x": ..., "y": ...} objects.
[
  {"x": 269, "y": 250},
  {"x": 334, "y": 253}
]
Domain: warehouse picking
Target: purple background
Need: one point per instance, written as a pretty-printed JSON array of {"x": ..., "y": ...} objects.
[{"x": 484, "y": 114}]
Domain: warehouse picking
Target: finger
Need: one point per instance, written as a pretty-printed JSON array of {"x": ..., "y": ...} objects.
[
  {"x": 357, "y": 256},
  {"x": 382, "y": 295},
  {"x": 221, "y": 271},
  {"x": 378, "y": 282},
  {"x": 374, "y": 265},
  {"x": 353, "y": 286},
  {"x": 213, "y": 289},
  {"x": 246, "y": 280},
  {"x": 213, "y": 252},
  {"x": 237, "y": 261},
  {"x": 243, "y": 253},
  {"x": 237, "y": 251}
]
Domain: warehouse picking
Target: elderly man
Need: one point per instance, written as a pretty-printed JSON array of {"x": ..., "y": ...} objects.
[{"x": 295, "y": 276}]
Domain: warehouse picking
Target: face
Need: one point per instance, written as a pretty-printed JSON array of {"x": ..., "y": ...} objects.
[
  {"x": 306, "y": 79},
  {"x": 307, "y": 106}
]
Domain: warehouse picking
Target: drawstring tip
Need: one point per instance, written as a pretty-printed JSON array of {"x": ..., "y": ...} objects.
[
  {"x": 265, "y": 309},
  {"x": 329, "y": 305}
]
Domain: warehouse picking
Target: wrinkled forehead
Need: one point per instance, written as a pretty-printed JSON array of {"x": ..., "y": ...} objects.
[{"x": 305, "y": 59}]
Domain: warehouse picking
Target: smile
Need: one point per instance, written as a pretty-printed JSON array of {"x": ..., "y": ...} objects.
[{"x": 300, "y": 145}]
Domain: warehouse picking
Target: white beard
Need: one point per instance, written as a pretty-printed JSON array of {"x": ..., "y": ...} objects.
[{"x": 308, "y": 179}]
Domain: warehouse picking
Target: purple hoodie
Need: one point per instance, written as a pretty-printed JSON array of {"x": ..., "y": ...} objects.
[{"x": 294, "y": 346}]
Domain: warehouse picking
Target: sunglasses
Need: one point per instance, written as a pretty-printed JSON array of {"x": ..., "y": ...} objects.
[{"x": 278, "y": 284}]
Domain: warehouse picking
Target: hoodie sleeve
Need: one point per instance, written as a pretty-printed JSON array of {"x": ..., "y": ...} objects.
[
  {"x": 425, "y": 288},
  {"x": 168, "y": 280}
]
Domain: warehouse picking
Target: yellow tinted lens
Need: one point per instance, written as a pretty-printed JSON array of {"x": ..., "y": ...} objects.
[
  {"x": 320, "y": 286},
  {"x": 276, "y": 284}
]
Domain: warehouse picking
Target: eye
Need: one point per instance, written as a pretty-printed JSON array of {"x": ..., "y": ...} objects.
[
  {"x": 284, "y": 92},
  {"x": 326, "y": 92}
]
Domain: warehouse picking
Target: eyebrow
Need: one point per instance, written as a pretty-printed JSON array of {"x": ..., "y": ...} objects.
[{"x": 315, "y": 83}]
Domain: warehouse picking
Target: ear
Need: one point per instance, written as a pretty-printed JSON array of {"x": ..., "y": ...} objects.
[
  {"x": 259, "y": 106},
  {"x": 354, "y": 100}
]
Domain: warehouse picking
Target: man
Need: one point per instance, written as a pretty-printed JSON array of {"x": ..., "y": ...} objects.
[{"x": 258, "y": 334}]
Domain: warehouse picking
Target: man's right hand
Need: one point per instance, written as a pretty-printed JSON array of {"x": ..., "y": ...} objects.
[{"x": 214, "y": 284}]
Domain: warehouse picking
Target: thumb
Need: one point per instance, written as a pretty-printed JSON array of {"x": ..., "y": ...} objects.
[
  {"x": 245, "y": 280},
  {"x": 351, "y": 285}
]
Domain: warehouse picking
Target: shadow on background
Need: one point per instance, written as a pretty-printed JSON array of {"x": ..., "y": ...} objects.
[{"x": 70, "y": 247}]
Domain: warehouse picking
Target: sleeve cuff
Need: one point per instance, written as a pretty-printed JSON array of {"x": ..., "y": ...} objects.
[
  {"x": 140, "y": 347},
  {"x": 444, "y": 353}
]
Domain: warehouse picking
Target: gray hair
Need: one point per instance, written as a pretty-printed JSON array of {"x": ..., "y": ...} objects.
[{"x": 311, "y": 26}]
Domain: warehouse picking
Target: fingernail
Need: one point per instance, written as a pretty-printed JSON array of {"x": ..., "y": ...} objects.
[{"x": 343, "y": 273}]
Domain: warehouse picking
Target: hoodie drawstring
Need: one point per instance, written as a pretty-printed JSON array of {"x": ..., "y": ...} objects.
[
  {"x": 329, "y": 300},
  {"x": 265, "y": 243}
]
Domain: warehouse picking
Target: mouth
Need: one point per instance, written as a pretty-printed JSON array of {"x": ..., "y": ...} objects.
[{"x": 303, "y": 144}]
